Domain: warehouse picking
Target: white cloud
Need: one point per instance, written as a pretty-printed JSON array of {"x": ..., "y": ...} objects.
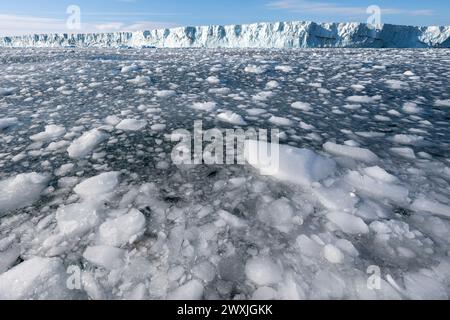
[
  {"x": 315, "y": 7},
  {"x": 11, "y": 25}
]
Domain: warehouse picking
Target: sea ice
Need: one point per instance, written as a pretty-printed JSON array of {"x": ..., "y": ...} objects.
[
  {"x": 192, "y": 290},
  {"x": 301, "y": 106},
  {"x": 37, "y": 278},
  {"x": 6, "y": 123},
  {"x": 348, "y": 223},
  {"x": 122, "y": 230},
  {"x": 21, "y": 191},
  {"x": 356, "y": 153},
  {"x": 97, "y": 186},
  {"x": 85, "y": 144},
  {"x": 109, "y": 258},
  {"x": 299, "y": 166},
  {"x": 131, "y": 125},
  {"x": 231, "y": 117},
  {"x": 51, "y": 132},
  {"x": 263, "y": 271}
]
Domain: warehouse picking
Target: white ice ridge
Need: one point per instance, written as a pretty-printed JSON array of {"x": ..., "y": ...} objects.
[{"x": 295, "y": 34}]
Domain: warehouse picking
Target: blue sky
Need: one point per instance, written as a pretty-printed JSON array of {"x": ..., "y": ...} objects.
[{"x": 31, "y": 16}]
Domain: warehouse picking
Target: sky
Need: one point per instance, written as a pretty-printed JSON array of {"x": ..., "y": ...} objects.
[{"x": 19, "y": 17}]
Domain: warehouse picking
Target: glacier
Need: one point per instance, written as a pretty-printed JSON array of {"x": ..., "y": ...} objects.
[{"x": 296, "y": 34}]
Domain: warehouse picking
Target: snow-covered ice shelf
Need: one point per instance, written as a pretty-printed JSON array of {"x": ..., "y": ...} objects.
[
  {"x": 87, "y": 181},
  {"x": 295, "y": 34}
]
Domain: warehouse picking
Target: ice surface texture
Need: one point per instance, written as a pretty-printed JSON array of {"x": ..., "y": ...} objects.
[
  {"x": 87, "y": 182},
  {"x": 297, "y": 34}
]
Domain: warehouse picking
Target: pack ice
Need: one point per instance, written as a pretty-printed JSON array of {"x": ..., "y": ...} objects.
[{"x": 354, "y": 179}]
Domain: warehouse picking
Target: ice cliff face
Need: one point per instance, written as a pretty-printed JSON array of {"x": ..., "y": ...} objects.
[{"x": 259, "y": 35}]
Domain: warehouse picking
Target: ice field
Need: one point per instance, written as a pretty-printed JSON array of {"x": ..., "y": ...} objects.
[{"x": 93, "y": 207}]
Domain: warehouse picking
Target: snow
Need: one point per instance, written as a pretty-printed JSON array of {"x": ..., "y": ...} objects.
[
  {"x": 131, "y": 125},
  {"x": 36, "y": 278},
  {"x": 299, "y": 166},
  {"x": 85, "y": 144},
  {"x": 122, "y": 230},
  {"x": 21, "y": 191},
  {"x": 293, "y": 34},
  {"x": 262, "y": 271}
]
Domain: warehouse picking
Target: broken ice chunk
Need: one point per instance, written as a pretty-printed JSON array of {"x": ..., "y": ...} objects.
[
  {"x": 21, "y": 191},
  {"x": 360, "y": 154},
  {"x": 6, "y": 123},
  {"x": 333, "y": 254},
  {"x": 51, "y": 132},
  {"x": 106, "y": 257},
  {"x": 278, "y": 214},
  {"x": 193, "y": 290},
  {"x": 97, "y": 186},
  {"x": 122, "y": 230},
  {"x": 76, "y": 219},
  {"x": 131, "y": 125},
  {"x": 37, "y": 278},
  {"x": 433, "y": 207},
  {"x": 299, "y": 166},
  {"x": 348, "y": 223},
  {"x": 378, "y": 188},
  {"x": 263, "y": 271},
  {"x": 85, "y": 144}
]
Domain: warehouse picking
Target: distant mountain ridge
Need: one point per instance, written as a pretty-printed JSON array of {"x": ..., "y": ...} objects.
[{"x": 295, "y": 34}]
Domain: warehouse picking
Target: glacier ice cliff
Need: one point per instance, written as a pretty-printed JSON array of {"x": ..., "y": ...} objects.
[{"x": 259, "y": 35}]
